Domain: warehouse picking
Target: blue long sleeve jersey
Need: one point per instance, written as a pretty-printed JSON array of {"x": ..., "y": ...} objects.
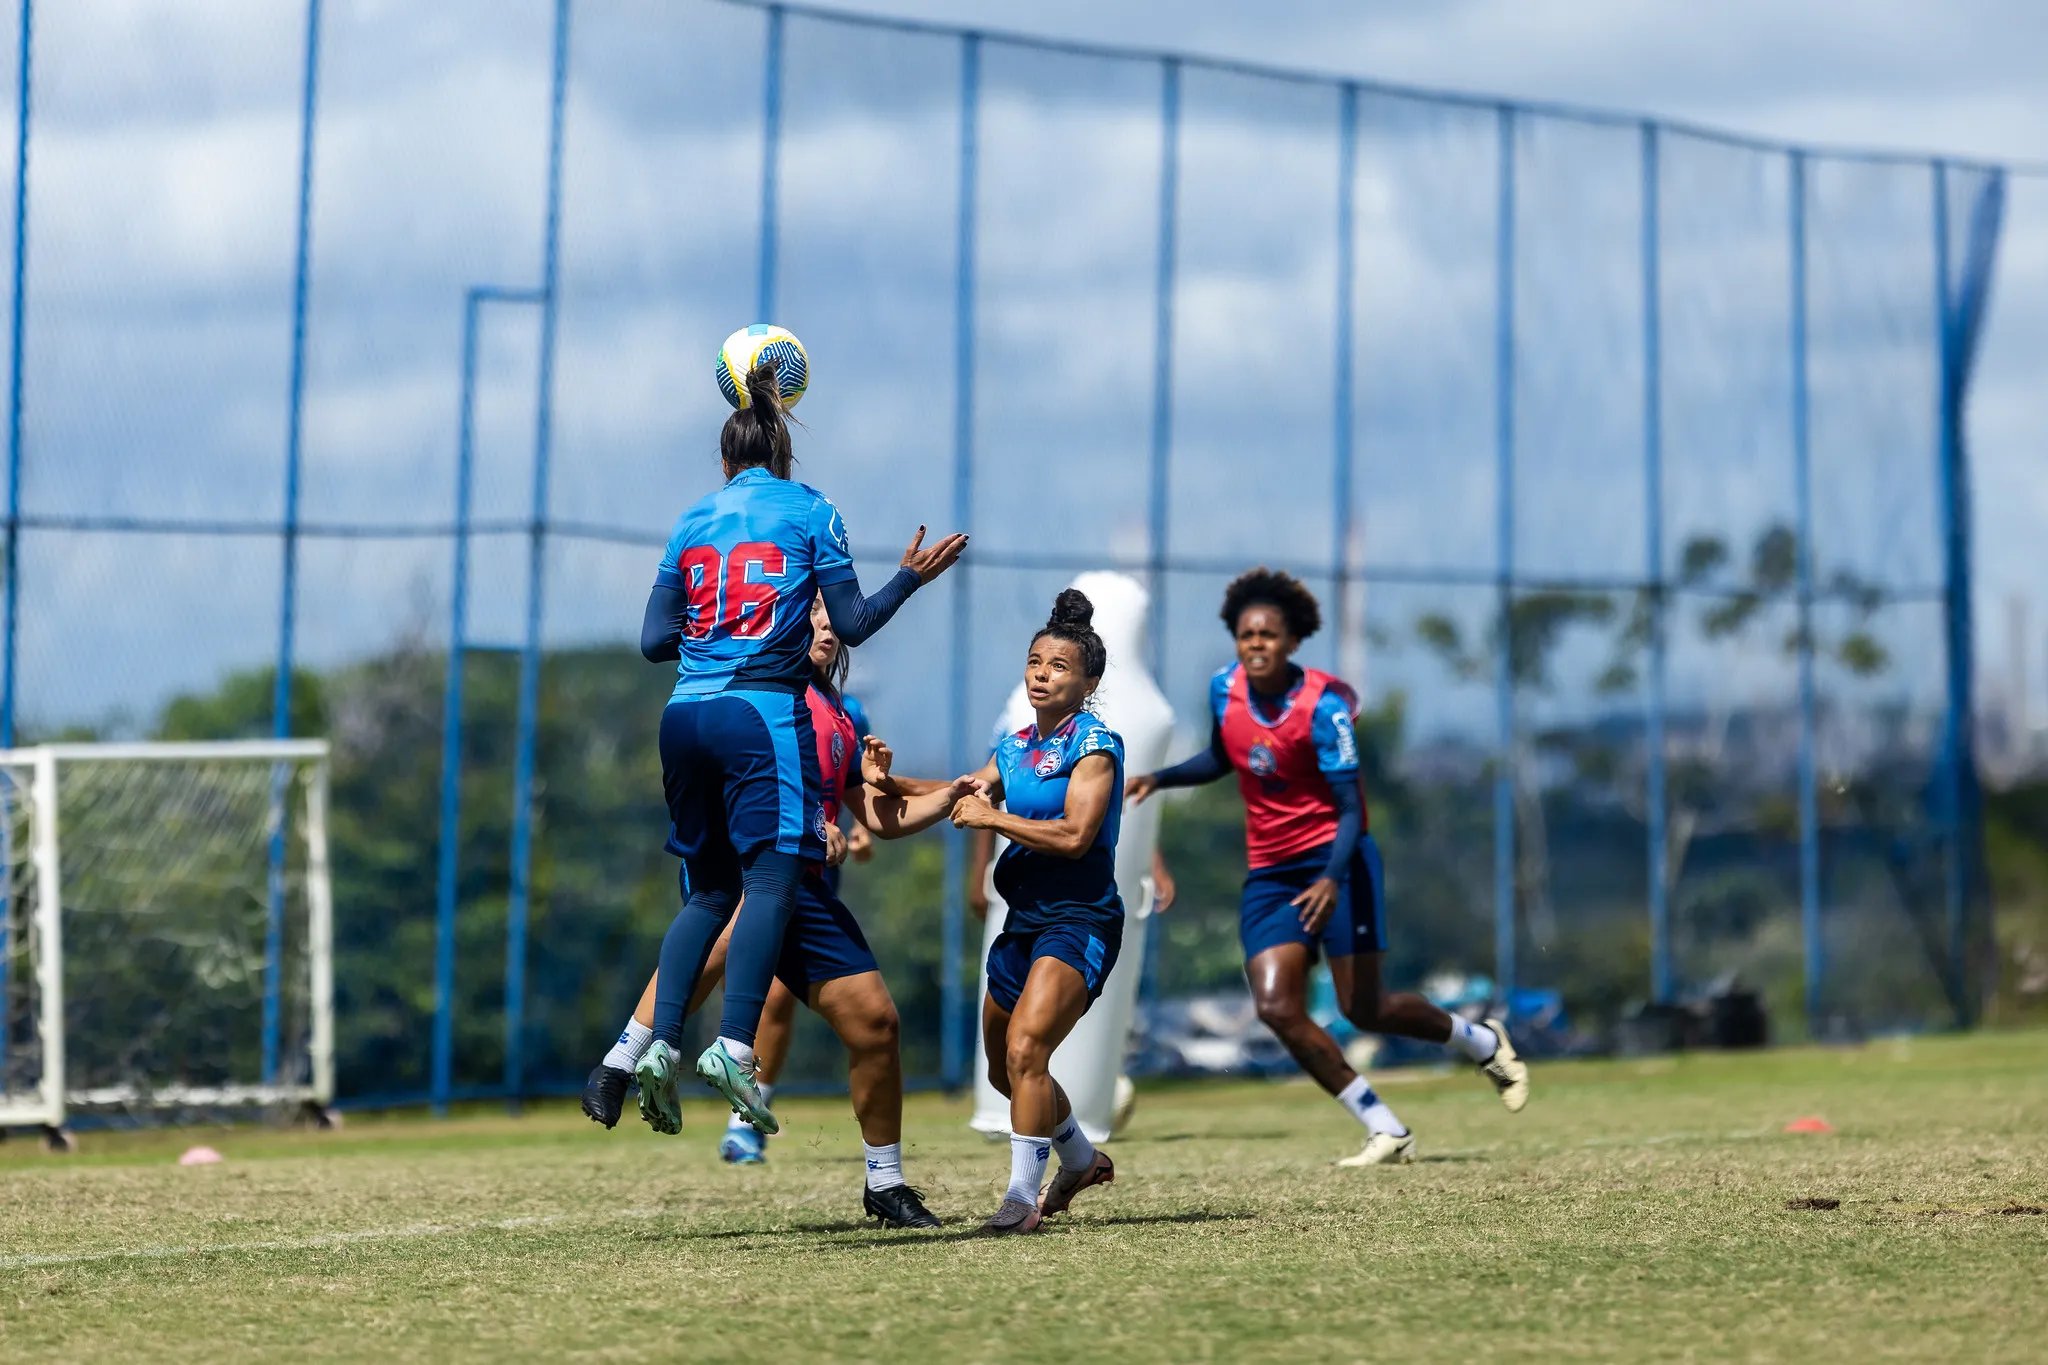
[{"x": 732, "y": 599}]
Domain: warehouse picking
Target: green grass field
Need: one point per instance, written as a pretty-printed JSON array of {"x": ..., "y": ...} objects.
[{"x": 1636, "y": 1210}]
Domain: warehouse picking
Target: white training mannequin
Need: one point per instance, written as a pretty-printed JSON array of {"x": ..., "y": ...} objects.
[{"x": 1089, "y": 1062}]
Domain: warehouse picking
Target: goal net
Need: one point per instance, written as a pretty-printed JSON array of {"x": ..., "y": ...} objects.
[{"x": 165, "y": 929}]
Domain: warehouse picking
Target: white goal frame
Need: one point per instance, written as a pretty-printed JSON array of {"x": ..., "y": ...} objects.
[{"x": 52, "y": 1100}]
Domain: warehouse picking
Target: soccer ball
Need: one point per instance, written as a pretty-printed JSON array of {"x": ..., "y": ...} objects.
[{"x": 759, "y": 344}]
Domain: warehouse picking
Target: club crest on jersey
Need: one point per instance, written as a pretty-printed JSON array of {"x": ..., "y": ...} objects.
[
  {"x": 1261, "y": 761},
  {"x": 1046, "y": 761},
  {"x": 818, "y": 822},
  {"x": 838, "y": 750}
]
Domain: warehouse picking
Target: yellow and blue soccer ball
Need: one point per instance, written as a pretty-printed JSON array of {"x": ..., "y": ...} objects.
[{"x": 763, "y": 344}]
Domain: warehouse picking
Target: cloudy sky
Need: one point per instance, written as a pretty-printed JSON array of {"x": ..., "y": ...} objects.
[
  {"x": 160, "y": 277},
  {"x": 1960, "y": 77},
  {"x": 1957, "y": 77}
]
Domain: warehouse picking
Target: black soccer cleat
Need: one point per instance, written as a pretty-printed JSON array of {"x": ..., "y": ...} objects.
[
  {"x": 604, "y": 1094},
  {"x": 899, "y": 1206}
]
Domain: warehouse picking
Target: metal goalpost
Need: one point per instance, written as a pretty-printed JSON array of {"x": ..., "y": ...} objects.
[{"x": 166, "y": 929}]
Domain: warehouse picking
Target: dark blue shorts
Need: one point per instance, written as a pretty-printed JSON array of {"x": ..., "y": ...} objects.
[
  {"x": 823, "y": 941},
  {"x": 1357, "y": 925},
  {"x": 1089, "y": 949},
  {"x": 740, "y": 772}
]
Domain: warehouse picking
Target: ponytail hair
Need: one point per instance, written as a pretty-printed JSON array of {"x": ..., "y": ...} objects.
[
  {"x": 1072, "y": 620},
  {"x": 758, "y": 434}
]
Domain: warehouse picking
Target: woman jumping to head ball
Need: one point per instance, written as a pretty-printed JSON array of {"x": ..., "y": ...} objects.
[
  {"x": 1315, "y": 882},
  {"x": 1059, "y": 780},
  {"x": 731, "y": 604}
]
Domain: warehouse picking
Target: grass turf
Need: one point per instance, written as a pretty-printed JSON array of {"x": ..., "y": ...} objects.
[{"x": 1636, "y": 1210}]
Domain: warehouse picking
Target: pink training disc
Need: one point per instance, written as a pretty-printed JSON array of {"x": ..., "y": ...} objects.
[
  {"x": 1809, "y": 1125},
  {"x": 201, "y": 1156}
]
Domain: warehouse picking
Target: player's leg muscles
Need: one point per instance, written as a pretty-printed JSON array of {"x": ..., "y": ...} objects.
[
  {"x": 1372, "y": 1010},
  {"x": 995, "y": 1043},
  {"x": 863, "y": 1014},
  {"x": 778, "y": 1027},
  {"x": 1279, "y": 981},
  {"x": 1054, "y": 998}
]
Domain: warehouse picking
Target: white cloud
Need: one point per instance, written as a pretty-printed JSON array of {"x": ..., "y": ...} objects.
[{"x": 166, "y": 146}]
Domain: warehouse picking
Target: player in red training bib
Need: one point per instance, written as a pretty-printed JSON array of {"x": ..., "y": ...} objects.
[{"x": 1315, "y": 883}]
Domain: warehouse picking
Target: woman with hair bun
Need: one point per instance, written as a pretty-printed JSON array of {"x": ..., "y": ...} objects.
[
  {"x": 1315, "y": 883},
  {"x": 1060, "y": 781}
]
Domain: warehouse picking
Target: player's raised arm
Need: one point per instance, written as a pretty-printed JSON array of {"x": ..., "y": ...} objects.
[{"x": 855, "y": 617}]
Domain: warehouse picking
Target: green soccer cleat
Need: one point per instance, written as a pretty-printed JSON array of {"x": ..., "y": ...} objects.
[
  {"x": 660, "y": 1105},
  {"x": 719, "y": 1071}
]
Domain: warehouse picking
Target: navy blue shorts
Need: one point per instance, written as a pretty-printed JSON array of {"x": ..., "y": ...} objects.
[
  {"x": 740, "y": 772},
  {"x": 823, "y": 941},
  {"x": 1089, "y": 949},
  {"x": 1357, "y": 925}
]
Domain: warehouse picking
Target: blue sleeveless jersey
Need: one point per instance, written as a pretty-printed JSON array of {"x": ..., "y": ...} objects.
[
  {"x": 1043, "y": 889},
  {"x": 749, "y": 558}
]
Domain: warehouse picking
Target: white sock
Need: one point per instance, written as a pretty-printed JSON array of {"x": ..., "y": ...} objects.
[
  {"x": 632, "y": 1045},
  {"x": 743, "y": 1053},
  {"x": 1369, "y": 1109},
  {"x": 1028, "y": 1156},
  {"x": 885, "y": 1166},
  {"x": 1076, "y": 1152},
  {"x": 734, "y": 1122},
  {"x": 1476, "y": 1041}
]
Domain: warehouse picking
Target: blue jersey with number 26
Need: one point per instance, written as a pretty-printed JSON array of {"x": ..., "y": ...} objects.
[{"x": 749, "y": 559}]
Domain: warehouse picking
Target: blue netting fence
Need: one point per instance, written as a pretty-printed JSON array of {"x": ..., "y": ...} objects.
[{"x": 1626, "y": 458}]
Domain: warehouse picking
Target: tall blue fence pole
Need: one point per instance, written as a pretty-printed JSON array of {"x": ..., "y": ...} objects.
[
  {"x": 448, "y": 872},
  {"x": 13, "y": 548},
  {"x": 1341, "y": 435},
  {"x": 1504, "y": 531},
  {"x": 1663, "y": 978},
  {"x": 1162, "y": 351},
  {"x": 955, "y": 1020},
  {"x": 1802, "y": 475},
  {"x": 1956, "y": 610},
  {"x": 12, "y": 625},
  {"x": 288, "y": 593},
  {"x": 519, "y": 900},
  {"x": 771, "y": 162}
]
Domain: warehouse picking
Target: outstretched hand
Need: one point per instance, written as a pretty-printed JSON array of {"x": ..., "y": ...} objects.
[
  {"x": 1140, "y": 787},
  {"x": 875, "y": 758},
  {"x": 928, "y": 564}
]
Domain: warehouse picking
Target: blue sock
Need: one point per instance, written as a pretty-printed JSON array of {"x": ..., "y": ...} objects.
[
  {"x": 684, "y": 949},
  {"x": 770, "y": 880}
]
